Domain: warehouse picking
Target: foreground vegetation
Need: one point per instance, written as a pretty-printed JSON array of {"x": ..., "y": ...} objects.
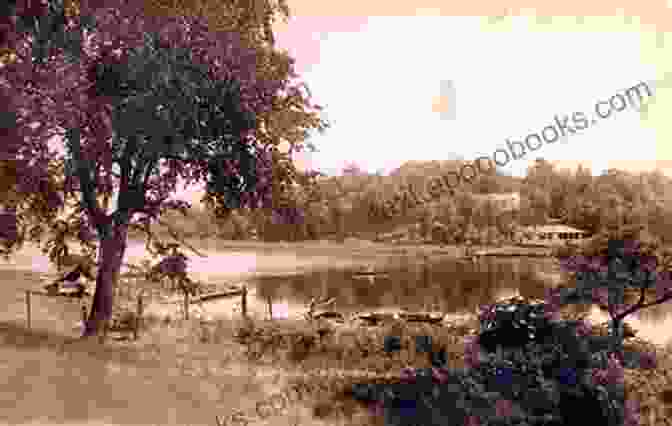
[
  {"x": 196, "y": 367},
  {"x": 365, "y": 351},
  {"x": 326, "y": 370}
]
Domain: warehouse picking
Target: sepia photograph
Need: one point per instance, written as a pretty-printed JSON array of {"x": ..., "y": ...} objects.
[{"x": 294, "y": 213}]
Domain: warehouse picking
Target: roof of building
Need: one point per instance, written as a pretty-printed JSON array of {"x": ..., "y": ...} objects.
[
  {"x": 555, "y": 228},
  {"x": 505, "y": 196}
]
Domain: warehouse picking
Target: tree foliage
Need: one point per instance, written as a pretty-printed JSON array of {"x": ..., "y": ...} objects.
[
  {"x": 140, "y": 102},
  {"x": 291, "y": 115}
]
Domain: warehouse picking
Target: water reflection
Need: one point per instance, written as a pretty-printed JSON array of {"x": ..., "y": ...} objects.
[
  {"x": 414, "y": 284},
  {"x": 441, "y": 284}
]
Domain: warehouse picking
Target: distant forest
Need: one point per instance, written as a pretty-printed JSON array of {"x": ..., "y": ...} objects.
[{"x": 338, "y": 207}]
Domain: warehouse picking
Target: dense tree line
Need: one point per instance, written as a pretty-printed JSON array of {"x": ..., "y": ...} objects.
[{"x": 349, "y": 205}]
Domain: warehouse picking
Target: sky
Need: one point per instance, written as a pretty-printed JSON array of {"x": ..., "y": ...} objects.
[
  {"x": 431, "y": 87},
  {"x": 423, "y": 81}
]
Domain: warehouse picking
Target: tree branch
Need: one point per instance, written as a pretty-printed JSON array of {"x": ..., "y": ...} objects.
[
  {"x": 151, "y": 165},
  {"x": 640, "y": 305},
  {"x": 129, "y": 187},
  {"x": 88, "y": 188},
  {"x": 178, "y": 238},
  {"x": 125, "y": 163}
]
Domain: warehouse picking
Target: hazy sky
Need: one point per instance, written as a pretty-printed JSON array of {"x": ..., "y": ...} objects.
[
  {"x": 401, "y": 82},
  {"x": 401, "y": 88}
]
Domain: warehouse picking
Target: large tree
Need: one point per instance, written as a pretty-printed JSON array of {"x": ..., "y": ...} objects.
[
  {"x": 292, "y": 115},
  {"x": 140, "y": 101}
]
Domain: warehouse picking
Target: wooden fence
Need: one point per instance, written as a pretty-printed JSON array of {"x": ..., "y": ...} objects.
[
  {"x": 138, "y": 318},
  {"x": 29, "y": 310},
  {"x": 84, "y": 311}
]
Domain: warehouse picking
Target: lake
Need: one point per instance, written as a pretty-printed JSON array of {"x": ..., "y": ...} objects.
[
  {"x": 290, "y": 278},
  {"x": 446, "y": 285}
]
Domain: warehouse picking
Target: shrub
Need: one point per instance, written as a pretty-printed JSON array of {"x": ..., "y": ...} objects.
[{"x": 523, "y": 368}]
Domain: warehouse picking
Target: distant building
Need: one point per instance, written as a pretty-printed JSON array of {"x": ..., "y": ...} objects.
[{"x": 507, "y": 202}]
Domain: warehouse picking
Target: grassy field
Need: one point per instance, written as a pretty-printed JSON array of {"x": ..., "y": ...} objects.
[{"x": 192, "y": 373}]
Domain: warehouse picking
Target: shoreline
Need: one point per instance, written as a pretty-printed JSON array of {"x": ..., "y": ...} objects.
[{"x": 357, "y": 245}]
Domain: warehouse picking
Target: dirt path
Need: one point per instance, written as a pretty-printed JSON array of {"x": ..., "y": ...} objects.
[{"x": 43, "y": 386}]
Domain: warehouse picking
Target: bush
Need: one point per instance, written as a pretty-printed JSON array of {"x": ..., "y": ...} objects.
[{"x": 524, "y": 368}]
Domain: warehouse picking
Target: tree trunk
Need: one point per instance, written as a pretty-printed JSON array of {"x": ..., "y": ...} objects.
[
  {"x": 111, "y": 255},
  {"x": 616, "y": 336}
]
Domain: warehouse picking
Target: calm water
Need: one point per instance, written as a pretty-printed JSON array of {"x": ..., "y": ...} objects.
[
  {"x": 412, "y": 282},
  {"x": 430, "y": 284}
]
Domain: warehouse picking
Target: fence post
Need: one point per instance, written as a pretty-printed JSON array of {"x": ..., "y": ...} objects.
[
  {"x": 103, "y": 336},
  {"x": 84, "y": 316},
  {"x": 186, "y": 305},
  {"x": 138, "y": 317},
  {"x": 28, "y": 307},
  {"x": 243, "y": 302}
]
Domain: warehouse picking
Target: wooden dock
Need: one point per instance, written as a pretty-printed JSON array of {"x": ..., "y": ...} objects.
[
  {"x": 223, "y": 294},
  {"x": 219, "y": 295}
]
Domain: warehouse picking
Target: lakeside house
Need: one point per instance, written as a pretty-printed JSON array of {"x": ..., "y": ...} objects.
[{"x": 553, "y": 233}]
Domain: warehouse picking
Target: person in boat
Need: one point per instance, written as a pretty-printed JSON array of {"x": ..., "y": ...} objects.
[{"x": 71, "y": 284}]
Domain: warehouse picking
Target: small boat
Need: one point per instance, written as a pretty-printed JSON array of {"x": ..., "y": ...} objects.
[
  {"x": 428, "y": 317},
  {"x": 369, "y": 274},
  {"x": 515, "y": 252},
  {"x": 329, "y": 315},
  {"x": 366, "y": 273},
  {"x": 322, "y": 313},
  {"x": 124, "y": 321},
  {"x": 377, "y": 318}
]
